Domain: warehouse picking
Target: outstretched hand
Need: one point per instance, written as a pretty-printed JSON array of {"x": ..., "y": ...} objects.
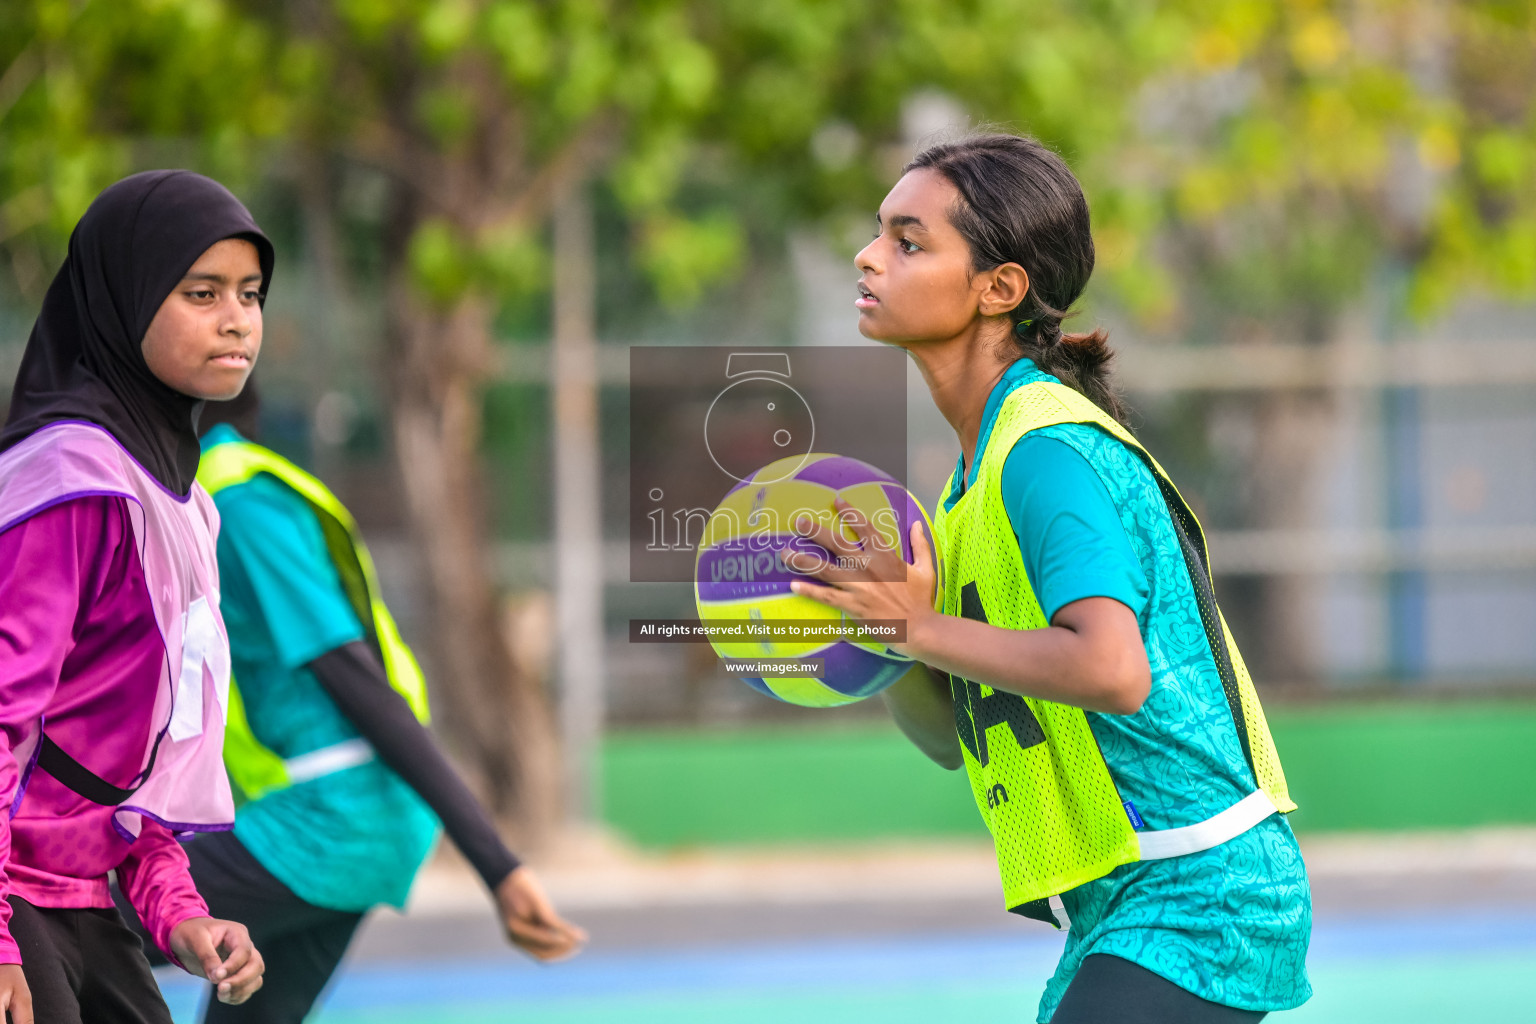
[
  {"x": 222, "y": 952},
  {"x": 866, "y": 577},
  {"x": 530, "y": 920}
]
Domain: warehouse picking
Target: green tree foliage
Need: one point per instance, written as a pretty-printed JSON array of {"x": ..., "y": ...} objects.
[
  {"x": 1270, "y": 153},
  {"x": 1255, "y": 135},
  {"x": 92, "y": 91}
]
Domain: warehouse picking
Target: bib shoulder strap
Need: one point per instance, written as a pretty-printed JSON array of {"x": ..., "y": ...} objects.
[
  {"x": 76, "y": 777},
  {"x": 235, "y": 462},
  {"x": 1045, "y": 404}
]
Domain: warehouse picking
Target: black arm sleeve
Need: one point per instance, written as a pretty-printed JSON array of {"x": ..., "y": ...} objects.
[{"x": 355, "y": 680}]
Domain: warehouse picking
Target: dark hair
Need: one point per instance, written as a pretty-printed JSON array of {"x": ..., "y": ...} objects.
[{"x": 1019, "y": 203}]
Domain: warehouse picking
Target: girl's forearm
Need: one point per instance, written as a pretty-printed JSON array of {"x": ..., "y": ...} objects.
[
  {"x": 921, "y": 706},
  {"x": 355, "y": 679},
  {"x": 1092, "y": 657}
]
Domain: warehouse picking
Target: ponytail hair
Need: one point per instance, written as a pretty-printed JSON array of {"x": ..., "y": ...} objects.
[{"x": 1019, "y": 203}]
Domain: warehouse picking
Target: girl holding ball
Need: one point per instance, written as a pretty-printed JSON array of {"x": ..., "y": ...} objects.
[{"x": 1079, "y": 669}]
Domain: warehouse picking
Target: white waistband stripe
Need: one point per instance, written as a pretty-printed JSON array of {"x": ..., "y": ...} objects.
[
  {"x": 328, "y": 760},
  {"x": 1213, "y": 831}
]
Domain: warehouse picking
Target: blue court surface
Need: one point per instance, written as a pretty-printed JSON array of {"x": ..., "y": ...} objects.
[{"x": 1381, "y": 968}]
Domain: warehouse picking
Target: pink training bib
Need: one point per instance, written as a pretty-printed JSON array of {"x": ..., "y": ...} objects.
[{"x": 187, "y": 789}]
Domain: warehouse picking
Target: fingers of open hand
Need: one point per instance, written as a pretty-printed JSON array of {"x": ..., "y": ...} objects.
[
  {"x": 868, "y": 557},
  {"x": 834, "y": 535},
  {"x": 822, "y": 595}
]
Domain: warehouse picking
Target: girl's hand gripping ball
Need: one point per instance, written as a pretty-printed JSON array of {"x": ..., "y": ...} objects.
[{"x": 757, "y": 569}]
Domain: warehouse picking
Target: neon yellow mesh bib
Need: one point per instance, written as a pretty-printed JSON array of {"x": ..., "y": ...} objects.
[
  {"x": 254, "y": 767},
  {"x": 1040, "y": 782}
]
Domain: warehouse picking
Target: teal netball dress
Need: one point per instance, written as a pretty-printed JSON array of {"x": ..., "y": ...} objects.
[{"x": 1230, "y": 924}]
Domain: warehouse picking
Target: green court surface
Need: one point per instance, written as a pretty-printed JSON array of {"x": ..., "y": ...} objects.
[{"x": 1421, "y": 765}]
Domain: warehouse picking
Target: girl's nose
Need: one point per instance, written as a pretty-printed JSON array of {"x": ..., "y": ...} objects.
[
  {"x": 238, "y": 319},
  {"x": 864, "y": 260}
]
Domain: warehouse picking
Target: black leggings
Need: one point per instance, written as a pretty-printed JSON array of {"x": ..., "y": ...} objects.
[
  {"x": 300, "y": 942},
  {"x": 1110, "y": 990},
  {"x": 84, "y": 966}
]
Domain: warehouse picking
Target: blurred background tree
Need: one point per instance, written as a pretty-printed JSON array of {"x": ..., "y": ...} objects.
[{"x": 1254, "y": 166}]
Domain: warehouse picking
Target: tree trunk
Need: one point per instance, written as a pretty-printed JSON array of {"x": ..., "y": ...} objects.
[
  {"x": 441, "y": 359},
  {"x": 1292, "y": 430},
  {"x": 500, "y": 716}
]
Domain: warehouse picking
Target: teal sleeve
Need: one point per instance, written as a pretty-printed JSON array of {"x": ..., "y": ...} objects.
[
  {"x": 1068, "y": 528},
  {"x": 277, "y": 572}
]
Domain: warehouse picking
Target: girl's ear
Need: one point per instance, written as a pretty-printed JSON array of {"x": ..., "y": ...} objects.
[{"x": 1008, "y": 285}]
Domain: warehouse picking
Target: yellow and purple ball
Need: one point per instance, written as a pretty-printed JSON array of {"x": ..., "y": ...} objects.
[{"x": 738, "y": 575}]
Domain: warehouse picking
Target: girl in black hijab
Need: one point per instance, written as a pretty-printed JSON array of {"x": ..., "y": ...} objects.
[
  {"x": 110, "y": 634},
  {"x": 85, "y": 358}
]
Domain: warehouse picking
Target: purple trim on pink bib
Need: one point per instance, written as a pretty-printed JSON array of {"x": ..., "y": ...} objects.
[
  {"x": 61, "y": 499},
  {"x": 181, "y": 830},
  {"x": 180, "y": 499}
]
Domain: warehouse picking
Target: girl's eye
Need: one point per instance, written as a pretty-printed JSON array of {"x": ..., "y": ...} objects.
[
  {"x": 908, "y": 246},
  {"x": 251, "y": 296},
  {"x": 200, "y": 294}
]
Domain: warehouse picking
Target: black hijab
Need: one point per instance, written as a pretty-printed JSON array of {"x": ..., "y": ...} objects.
[{"x": 85, "y": 360}]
